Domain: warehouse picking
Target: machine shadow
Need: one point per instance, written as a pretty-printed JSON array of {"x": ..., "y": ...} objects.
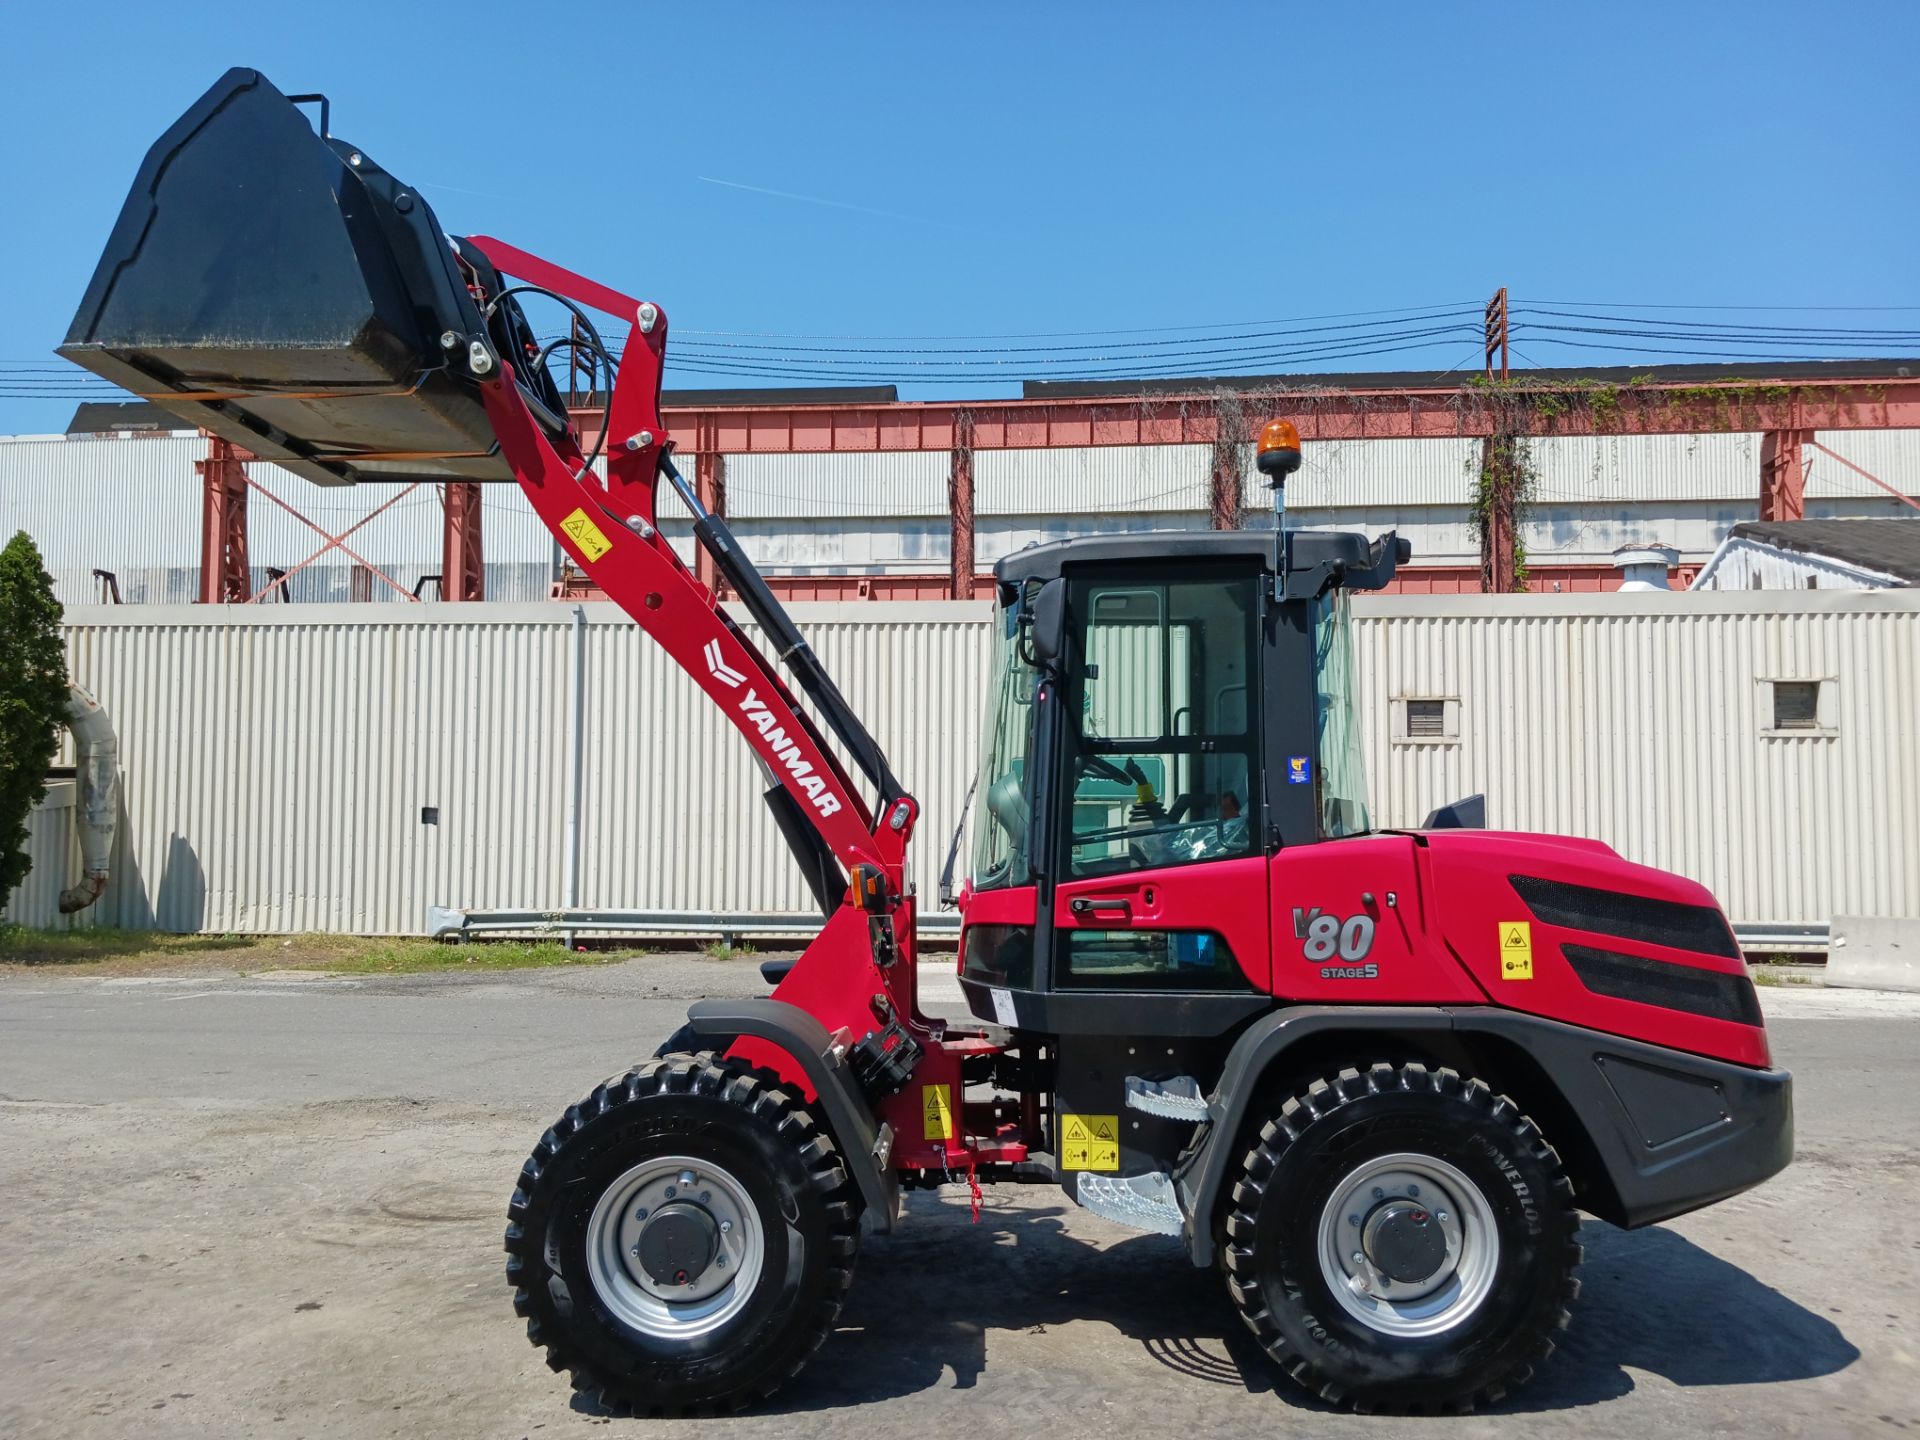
[
  {"x": 1653, "y": 1300},
  {"x": 926, "y": 1299}
]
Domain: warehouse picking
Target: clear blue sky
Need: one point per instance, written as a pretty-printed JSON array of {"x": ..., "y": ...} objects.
[{"x": 995, "y": 170}]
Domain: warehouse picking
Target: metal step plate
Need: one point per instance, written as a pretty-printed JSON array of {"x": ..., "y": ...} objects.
[
  {"x": 1175, "y": 1098},
  {"x": 1143, "y": 1202}
]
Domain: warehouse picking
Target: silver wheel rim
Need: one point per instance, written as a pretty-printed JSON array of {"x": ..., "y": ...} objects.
[
  {"x": 1396, "y": 1183},
  {"x": 708, "y": 1301}
]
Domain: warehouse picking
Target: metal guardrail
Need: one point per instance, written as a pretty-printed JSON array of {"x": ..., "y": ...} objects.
[
  {"x": 445, "y": 921},
  {"x": 1783, "y": 939}
]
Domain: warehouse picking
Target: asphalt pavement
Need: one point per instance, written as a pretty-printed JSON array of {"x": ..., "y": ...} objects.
[{"x": 272, "y": 1206}]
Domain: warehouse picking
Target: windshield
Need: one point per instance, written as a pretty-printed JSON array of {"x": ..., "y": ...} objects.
[
  {"x": 1002, "y": 807},
  {"x": 1343, "y": 776}
]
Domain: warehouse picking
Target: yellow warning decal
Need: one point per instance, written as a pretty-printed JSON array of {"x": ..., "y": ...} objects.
[
  {"x": 936, "y": 1112},
  {"x": 1516, "y": 950},
  {"x": 1089, "y": 1142},
  {"x": 580, "y": 529}
]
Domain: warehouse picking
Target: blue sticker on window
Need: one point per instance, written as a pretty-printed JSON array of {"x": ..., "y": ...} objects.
[{"x": 1299, "y": 770}]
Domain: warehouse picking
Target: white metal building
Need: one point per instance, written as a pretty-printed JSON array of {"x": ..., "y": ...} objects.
[
  {"x": 335, "y": 767},
  {"x": 1816, "y": 555}
]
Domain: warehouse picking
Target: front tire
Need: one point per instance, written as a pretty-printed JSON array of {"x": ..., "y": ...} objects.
[
  {"x": 1403, "y": 1239},
  {"x": 664, "y": 1295}
]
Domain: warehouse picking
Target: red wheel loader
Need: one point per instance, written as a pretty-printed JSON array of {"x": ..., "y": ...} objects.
[{"x": 1372, "y": 1076}]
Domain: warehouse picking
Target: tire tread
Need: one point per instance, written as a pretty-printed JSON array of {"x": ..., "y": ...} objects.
[
  {"x": 759, "y": 1097},
  {"x": 1322, "y": 1097}
]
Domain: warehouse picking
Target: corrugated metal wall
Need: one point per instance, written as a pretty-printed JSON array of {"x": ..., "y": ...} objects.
[
  {"x": 56, "y": 864},
  {"x": 1105, "y": 479},
  {"x": 277, "y": 761},
  {"x": 1642, "y": 719},
  {"x": 883, "y": 483}
]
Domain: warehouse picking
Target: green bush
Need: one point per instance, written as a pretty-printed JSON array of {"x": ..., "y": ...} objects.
[{"x": 33, "y": 698}]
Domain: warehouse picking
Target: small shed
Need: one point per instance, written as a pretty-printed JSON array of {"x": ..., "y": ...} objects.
[{"x": 1815, "y": 555}]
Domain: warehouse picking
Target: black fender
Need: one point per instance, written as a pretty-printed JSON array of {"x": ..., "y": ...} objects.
[
  {"x": 865, "y": 1144},
  {"x": 1668, "y": 1131}
]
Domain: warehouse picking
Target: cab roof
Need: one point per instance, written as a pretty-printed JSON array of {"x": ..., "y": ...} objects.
[{"x": 1345, "y": 549}]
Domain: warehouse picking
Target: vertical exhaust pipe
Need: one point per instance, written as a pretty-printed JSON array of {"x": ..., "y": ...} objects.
[{"x": 97, "y": 762}]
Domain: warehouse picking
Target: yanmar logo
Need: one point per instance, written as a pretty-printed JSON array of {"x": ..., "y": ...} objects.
[
  {"x": 781, "y": 749},
  {"x": 719, "y": 668}
]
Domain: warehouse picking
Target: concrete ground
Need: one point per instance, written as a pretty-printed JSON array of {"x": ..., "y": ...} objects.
[{"x": 273, "y": 1207}]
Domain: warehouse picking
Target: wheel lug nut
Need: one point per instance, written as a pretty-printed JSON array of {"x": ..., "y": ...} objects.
[
  {"x": 1439, "y": 1214},
  {"x": 671, "y": 1192},
  {"x": 1413, "y": 1190},
  {"x": 1378, "y": 1193},
  {"x": 1358, "y": 1258},
  {"x": 706, "y": 1197},
  {"x": 1353, "y": 1219},
  {"x": 641, "y": 1213},
  {"x": 726, "y": 1225},
  {"x": 721, "y": 1261}
]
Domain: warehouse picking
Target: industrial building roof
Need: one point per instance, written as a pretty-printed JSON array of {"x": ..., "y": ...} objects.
[
  {"x": 1802, "y": 370},
  {"x": 1890, "y": 546}
]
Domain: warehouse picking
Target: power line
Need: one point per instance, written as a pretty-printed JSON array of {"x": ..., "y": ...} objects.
[
  {"x": 1634, "y": 305},
  {"x": 1067, "y": 349},
  {"x": 1094, "y": 334},
  {"x": 1715, "y": 325}
]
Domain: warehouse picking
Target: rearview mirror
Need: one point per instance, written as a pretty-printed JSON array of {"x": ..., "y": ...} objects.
[{"x": 1049, "y": 638}]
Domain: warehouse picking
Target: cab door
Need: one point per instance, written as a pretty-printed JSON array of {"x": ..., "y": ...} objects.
[{"x": 1160, "y": 880}]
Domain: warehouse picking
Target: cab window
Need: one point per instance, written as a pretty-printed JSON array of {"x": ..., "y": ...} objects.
[{"x": 1161, "y": 761}]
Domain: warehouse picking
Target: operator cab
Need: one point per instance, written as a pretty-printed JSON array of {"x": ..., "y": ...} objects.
[{"x": 1170, "y": 710}]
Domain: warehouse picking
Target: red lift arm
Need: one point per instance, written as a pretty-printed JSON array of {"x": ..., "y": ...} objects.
[
  {"x": 857, "y": 977},
  {"x": 613, "y": 533}
]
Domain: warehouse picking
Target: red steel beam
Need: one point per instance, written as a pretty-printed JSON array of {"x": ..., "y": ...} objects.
[
  {"x": 225, "y": 578},
  {"x": 463, "y": 566},
  {"x": 1783, "y": 475},
  {"x": 1470, "y": 411}
]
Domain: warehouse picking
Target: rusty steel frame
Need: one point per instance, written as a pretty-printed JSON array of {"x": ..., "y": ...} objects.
[
  {"x": 1783, "y": 475},
  {"x": 463, "y": 563},
  {"x": 337, "y": 542},
  {"x": 226, "y": 578},
  {"x": 1453, "y": 412}
]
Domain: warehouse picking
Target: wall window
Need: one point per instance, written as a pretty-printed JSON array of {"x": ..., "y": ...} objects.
[
  {"x": 1796, "y": 704},
  {"x": 1798, "y": 707},
  {"x": 1426, "y": 719}
]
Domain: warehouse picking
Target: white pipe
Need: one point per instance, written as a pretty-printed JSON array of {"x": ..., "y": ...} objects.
[
  {"x": 576, "y": 758},
  {"x": 97, "y": 761}
]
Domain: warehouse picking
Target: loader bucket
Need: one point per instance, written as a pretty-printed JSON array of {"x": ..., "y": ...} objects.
[{"x": 275, "y": 286}]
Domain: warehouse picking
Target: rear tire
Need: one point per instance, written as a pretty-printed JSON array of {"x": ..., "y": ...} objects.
[
  {"x": 1403, "y": 1240},
  {"x": 697, "y": 1339}
]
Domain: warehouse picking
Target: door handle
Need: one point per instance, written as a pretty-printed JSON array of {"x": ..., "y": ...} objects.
[{"x": 1096, "y": 905}]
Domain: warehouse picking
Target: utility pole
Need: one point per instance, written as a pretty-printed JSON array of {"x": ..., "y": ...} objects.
[
  {"x": 1499, "y": 561},
  {"x": 1497, "y": 332}
]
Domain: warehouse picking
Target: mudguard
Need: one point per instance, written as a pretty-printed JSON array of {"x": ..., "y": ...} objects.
[
  {"x": 866, "y": 1145},
  {"x": 1670, "y": 1131}
]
